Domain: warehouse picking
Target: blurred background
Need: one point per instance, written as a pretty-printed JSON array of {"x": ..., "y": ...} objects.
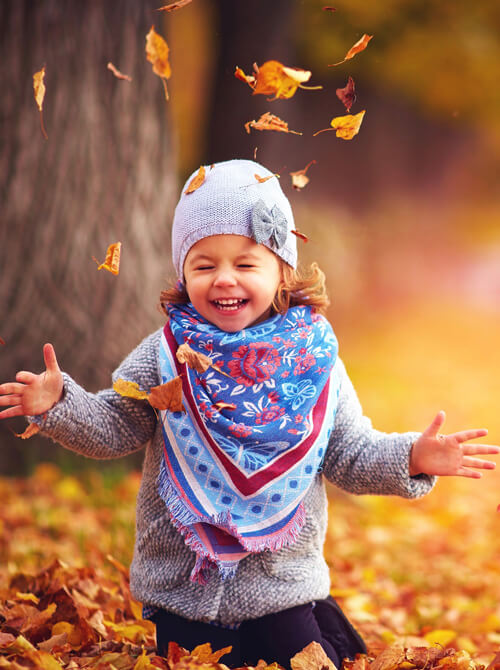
[{"x": 404, "y": 218}]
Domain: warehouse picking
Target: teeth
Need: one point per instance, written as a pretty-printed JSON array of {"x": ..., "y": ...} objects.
[{"x": 229, "y": 304}]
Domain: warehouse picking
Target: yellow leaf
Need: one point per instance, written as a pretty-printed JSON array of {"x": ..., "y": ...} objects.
[
  {"x": 157, "y": 54},
  {"x": 346, "y": 126},
  {"x": 312, "y": 657},
  {"x": 28, "y": 596},
  {"x": 129, "y": 389},
  {"x": 143, "y": 661},
  {"x": 31, "y": 430},
  {"x": 441, "y": 636},
  {"x": 274, "y": 78},
  {"x": 204, "y": 653},
  {"x": 360, "y": 45},
  {"x": 112, "y": 260},
  {"x": 39, "y": 89},
  {"x": 196, "y": 181}
]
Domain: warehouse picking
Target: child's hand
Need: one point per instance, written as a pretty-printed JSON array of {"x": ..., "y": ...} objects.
[
  {"x": 437, "y": 454},
  {"x": 33, "y": 394}
]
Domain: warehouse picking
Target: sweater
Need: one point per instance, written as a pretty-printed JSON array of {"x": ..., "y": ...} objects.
[{"x": 358, "y": 459}]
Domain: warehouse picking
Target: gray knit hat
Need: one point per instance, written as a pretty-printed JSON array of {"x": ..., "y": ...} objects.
[{"x": 231, "y": 200}]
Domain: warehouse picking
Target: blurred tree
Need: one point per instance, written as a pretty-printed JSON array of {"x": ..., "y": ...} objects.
[{"x": 106, "y": 173}]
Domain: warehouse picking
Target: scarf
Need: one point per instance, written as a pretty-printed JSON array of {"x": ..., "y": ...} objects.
[{"x": 239, "y": 461}]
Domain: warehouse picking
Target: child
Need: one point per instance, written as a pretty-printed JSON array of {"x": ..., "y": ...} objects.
[{"x": 231, "y": 513}]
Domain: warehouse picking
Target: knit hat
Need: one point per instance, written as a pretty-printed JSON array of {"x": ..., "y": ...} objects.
[{"x": 232, "y": 201}]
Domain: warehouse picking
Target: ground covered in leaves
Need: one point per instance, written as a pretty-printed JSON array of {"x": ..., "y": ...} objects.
[{"x": 420, "y": 579}]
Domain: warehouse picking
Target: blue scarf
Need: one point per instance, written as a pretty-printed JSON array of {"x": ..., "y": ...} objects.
[{"x": 234, "y": 475}]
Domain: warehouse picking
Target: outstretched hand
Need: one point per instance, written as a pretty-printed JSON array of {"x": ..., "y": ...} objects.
[
  {"x": 33, "y": 394},
  {"x": 437, "y": 454}
]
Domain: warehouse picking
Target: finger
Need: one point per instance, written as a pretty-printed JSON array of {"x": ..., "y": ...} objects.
[
  {"x": 478, "y": 463},
  {"x": 472, "y": 434},
  {"x": 14, "y": 399},
  {"x": 12, "y": 411},
  {"x": 436, "y": 424},
  {"x": 11, "y": 388},
  {"x": 49, "y": 357},
  {"x": 471, "y": 474},
  {"x": 25, "y": 377},
  {"x": 471, "y": 449}
]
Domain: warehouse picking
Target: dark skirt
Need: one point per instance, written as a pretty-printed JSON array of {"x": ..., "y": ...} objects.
[{"x": 274, "y": 637}]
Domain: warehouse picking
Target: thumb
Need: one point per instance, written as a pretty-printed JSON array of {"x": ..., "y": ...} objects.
[
  {"x": 436, "y": 424},
  {"x": 49, "y": 357}
]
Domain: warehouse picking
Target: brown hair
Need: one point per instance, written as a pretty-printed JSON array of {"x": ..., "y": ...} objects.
[{"x": 297, "y": 287}]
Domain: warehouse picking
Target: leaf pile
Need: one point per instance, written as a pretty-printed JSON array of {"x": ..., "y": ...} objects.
[{"x": 425, "y": 600}]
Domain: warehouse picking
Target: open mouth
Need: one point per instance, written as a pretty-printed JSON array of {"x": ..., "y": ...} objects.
[{"x": 229, "y": 304}]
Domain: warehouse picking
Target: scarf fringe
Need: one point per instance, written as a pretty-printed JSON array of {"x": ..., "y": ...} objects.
[{"x": 182, "y": 519}]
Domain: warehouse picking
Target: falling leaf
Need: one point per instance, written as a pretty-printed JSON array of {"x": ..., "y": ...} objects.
[
  {"x": 346, "y": 126},
  {"x": 224, "y": 405},
  {"x": 269, "y": 121},
  {"x": 2, "y": 341},
  {"x": 312, "y": 657},
  {"x": 196, "y": 181},
  {"x": 248, "y": 79},
  {"x": 329, "y": 9},
  {"x": 346, "y": 95},
  {"x": 196, "y": 360},
  {"x": 299, "y": 178},
  {"x": 173, "y": 6},
  {"x": 262, "y": 180},
  {"x": 300, "y": 235},
  {"x": 31, "y": 430},
  {"x": 112, "y": 260},
  {"x": 117, "y": 73},
  {"x": 157, "y": 54},
  {"x": 360, "y": 45},
  {"x": 274, "y": 78},
  {"x": 129, "y": 389},
  {"x": 167, "y": 396},
  {"x": 39, "y": 88}
]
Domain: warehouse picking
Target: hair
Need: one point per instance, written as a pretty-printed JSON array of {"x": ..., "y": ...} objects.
[{"x": 297, "y": 287}]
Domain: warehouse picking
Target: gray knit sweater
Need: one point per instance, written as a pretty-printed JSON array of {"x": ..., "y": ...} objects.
[{"x": 359, "y": 459}]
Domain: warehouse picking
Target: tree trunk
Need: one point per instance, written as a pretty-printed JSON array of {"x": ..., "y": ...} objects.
[{"x": 105, "y": 174}]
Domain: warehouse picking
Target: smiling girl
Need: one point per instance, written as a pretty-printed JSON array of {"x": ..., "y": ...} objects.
[{"x": 232, "y": 513}]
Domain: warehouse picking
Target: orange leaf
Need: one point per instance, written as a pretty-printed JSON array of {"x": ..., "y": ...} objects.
[
  {"x": 274, "y": 78},
  {"x": 495, "y": 663},
  {"x": 112, "y": 260},
  {"x": 117, "y": 73},
  {"x": 157, "y": 54},
  {"x": 299, "y": 178},
  {"x": 262, "y": 180},
  {"x": 173, "y": 6},
  {"x": 224, "y": 405},
  {"x": 196, "y": 181},
  {"x": 39, "y": 89},
  {"x": 129, "y": 389},
  {"x": 248, "y": 79},
  {"x": 360, "y": 45},
  {"x": 2, "y": 341},
  {"x": 204, "y": 654},
  {"x": 269, "y": 121},
  {"x": 167, "y": 396},
  {"x": 312, "y": 657},
  {"x": 31, "y": 430},
  {"x": 389, "y": 659},
  {"x": 329, "y": 9},
  {"x": 300, "y": 235},
  {"x": 346, "y": 95},
  {"x": 346, "y": 126}
]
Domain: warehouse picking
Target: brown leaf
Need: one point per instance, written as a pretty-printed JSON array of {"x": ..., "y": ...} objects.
[
  {"x": 346, "y": 95},
  {"x": 167, "y": 396},
  {"x": 389, "y": 659},
  {"x": 329, "y": 9},
  {"x": 360, "y": 45},
  {"x": 117, "y": 73},
  {"x": 193, "y": 359},
  {"x": 312, "y": 657},
  {"x": 269, "y": 121},
  {"x": 31, "y": 430},
  {"x": 129, "y": 389},
  {"x": 157, "y": 54},
  {"x": 346, "y": 127},
  {"x": 299, "y": 178},
  {"x": 424, "y": 657},
  {"x": 173, "y": 6},
  {"x": 39, "y": 89},
  {"x": 2, "y": 341},
  {"x": 112, "y": 260},
  {"x": 196, "y": 181}
]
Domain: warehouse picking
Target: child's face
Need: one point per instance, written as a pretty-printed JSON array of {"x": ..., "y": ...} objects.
[{"x": 231, "y": 280}]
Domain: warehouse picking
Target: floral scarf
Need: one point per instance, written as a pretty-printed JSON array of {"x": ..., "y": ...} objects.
[{"x": 239, "y": 461}]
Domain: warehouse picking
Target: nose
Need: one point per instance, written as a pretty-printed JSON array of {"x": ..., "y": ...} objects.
[{"x": 225, "y": 277}]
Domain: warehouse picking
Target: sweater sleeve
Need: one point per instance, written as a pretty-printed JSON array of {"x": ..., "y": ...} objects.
[
  {"x": 106, "y": 424},
  {"x": 361, "y": 459}
]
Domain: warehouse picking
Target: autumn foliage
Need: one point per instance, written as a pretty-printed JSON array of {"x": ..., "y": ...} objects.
[{"x": 425, "y": 599}]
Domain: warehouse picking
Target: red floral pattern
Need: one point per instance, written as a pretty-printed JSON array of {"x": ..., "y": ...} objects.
[{"x": 254, "y": 363}]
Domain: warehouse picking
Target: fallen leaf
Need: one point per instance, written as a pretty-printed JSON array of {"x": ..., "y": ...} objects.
[
  {"x": 204, "y": 653},
  {"x": 440, "y": 636},
  {"x": 274, "y": 78},
  {"x": 167, "y": 396},
  {"x": 312, "y": 657},
  {"x": 300, "y": 235},
  {"x": 346, "y": 126},
  {"x": 129, "y": 389},
  {"x": 112, "y": 260},
  {"x": 39, "y": 88},
  {"x": 389, "y": 659},
  {"x": 117, "y": 73},
  {"x": 157, "y": 54},
  {"x": 360, "y": 45},
  {"x": 299, "y": 178},
  {"x": 31, "y": 430},
  {"x": 196, "y": 360},
  {"x": 495, "y": 663},
  {"x": 196, "y": 181},
  {"x": 173, "y": 6},
  {"x": 346, "y": 95},
  {"x": 269, "y": 121}
]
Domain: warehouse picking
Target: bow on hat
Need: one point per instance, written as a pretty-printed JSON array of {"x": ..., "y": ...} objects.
[{"x": 269, "y": 225}]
